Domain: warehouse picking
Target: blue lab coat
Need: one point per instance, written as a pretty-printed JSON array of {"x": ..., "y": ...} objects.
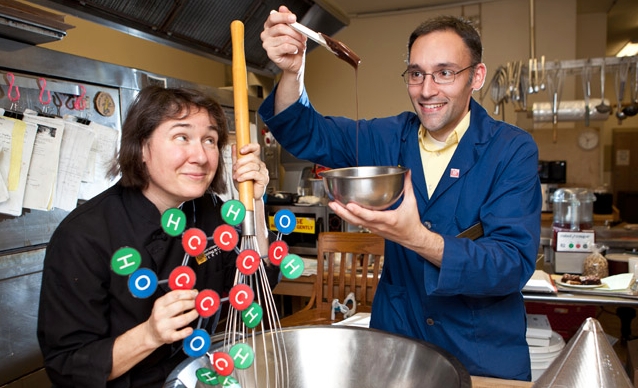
[{"x": 472, "y": 305}]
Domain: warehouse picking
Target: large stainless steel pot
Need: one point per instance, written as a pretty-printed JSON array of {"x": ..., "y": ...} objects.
[{"x": 345, "y": 357}]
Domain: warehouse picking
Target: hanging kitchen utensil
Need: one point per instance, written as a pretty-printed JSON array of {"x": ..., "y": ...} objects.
[
  {"x": 524, "y": 88},
  {"x": 621, "y": 82},
  {"x": 586, "y": 77},
  {"x": 541, "y": 86},
  {"x": 518, "y": 90},
  {"x": 602, "y": 107},
  {"x": 498, "y": 89},
  {"x": 238, "y": 321},
  {"x": 530, "y": 75},
  {"x": 555, "y": 88},
  {"x": 632, "y": 109},
  {"x": 511, "y": 75}
]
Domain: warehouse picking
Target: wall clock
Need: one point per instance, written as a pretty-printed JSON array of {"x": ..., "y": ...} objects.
[{"x": 588, "y": 139}]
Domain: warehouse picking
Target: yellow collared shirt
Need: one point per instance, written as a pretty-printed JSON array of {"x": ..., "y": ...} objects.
[{"x": 436, "y": 155}]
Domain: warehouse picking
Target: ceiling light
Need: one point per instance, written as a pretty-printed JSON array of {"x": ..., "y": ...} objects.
[{"x": 630, "y": 49}]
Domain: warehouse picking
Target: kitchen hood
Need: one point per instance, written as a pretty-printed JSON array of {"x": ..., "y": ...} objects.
[
  {"x": 24, "y": 23},
  {"x": 202, "y": 27}
]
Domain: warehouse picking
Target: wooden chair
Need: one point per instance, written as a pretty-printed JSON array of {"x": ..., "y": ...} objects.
[{"x": 346, "y": 262}]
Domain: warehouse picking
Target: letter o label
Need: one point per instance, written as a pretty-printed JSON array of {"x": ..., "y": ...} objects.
[
  {"x": 197, "y": 344},
  {"x": 285, "y": 221},
  {"x": 142, "y": 283}
]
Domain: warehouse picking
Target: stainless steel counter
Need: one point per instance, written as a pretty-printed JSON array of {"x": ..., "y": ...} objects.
[
  {"x": 575, "y": 298},
  {"x": 618, "y": 238}
]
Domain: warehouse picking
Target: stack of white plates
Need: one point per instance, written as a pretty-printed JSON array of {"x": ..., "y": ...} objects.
[{"x": 542, "y": 356}]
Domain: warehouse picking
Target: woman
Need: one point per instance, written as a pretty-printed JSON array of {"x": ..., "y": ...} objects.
[{"x": 92, "y": 331}]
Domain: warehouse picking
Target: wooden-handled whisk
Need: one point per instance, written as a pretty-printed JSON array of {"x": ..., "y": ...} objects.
[
  {"x": 270, "y": 367},
  {"x": 242, "y": 119}
]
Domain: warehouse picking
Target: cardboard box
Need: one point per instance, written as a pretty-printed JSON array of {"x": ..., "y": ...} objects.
[{"x": 632, "y": 361}]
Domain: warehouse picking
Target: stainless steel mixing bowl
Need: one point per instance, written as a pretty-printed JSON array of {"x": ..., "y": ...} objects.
[
  {"x": 373, "y": 187},
  {"x": 345, "y": 357}
]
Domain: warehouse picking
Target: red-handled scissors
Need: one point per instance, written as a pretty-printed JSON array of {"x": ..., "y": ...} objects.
[
  {"x": 11, "y": 83},
  {"x": 42, "y": 84}
]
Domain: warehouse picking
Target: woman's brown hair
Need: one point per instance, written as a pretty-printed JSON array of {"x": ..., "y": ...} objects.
[{"x": 153, "y": 106}]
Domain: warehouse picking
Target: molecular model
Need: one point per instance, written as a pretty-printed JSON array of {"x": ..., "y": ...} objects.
[{"x": 143, "y": 282}]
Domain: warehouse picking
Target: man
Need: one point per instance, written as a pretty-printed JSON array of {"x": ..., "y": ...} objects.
[{"x": 461, "y": 294}]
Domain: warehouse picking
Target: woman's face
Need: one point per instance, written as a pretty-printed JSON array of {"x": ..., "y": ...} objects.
[{"x": 181, "y": 157}]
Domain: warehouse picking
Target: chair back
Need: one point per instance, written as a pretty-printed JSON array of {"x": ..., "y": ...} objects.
[{"x": 348, "y": 262}]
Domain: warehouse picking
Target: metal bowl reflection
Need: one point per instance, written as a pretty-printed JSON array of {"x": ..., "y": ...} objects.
[
  {"x": 373, "y": 187},
  {"x": 342, "y": 356}
]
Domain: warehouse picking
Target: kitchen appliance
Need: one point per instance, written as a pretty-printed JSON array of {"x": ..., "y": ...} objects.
[
  {"x": 342, "y": 356},
  {"x": 552, "y": 171},
  {"x": 548, "y": 190},
  {"x": 621, "y": 262},
  {"x": 573, "y": 234},
  {"x": 551, "y": 174},
  {"x": 311, "y": 220},
  {"x": 627, "y": 204},
  {"x": 604, "y": 201},
  {"x": 296, "y": 171},
  {"x": 304, "y": 187}
]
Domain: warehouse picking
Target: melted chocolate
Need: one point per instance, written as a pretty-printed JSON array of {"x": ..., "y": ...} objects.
[{"x": 342, "y": 51}]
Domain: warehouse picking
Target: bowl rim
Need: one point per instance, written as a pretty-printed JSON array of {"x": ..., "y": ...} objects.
[{"x": 330, "y": 173}]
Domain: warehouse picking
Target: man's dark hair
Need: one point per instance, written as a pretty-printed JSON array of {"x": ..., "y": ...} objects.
[{"x": 461, "y": 27}]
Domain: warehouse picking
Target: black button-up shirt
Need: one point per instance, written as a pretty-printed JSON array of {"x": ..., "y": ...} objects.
[{"x": 85, "y": 305}]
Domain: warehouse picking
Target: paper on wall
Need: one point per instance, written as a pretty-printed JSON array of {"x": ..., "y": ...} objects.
[
  {"x": 74, "y": 153},
  {"x": 4, "y": 192},
  {"x": 43, "y": 171},
  {"x": 103, "y": 151},
  {"x": 18, "y": 137}
]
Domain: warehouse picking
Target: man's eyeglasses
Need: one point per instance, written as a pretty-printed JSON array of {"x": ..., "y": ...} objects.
[{"x": 441, "y": 77}]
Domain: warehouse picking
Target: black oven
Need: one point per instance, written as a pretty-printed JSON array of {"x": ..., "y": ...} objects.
[
  {"x": 311, "y": 220},
  {"x": 552, "y": 171}
]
